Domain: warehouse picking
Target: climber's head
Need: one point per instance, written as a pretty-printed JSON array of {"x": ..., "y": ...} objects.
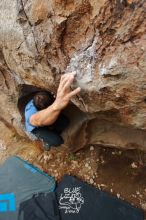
[{"x": 43, "y": 99}]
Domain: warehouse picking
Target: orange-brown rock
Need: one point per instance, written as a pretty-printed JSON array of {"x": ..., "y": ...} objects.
[{"x": 104, "y": 41}]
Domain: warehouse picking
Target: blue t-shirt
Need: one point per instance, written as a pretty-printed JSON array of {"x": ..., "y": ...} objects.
[{"x": 30, "y": 109}]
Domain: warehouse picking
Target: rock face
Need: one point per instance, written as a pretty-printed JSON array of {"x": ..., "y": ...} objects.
[{"x": 104, "y": 41}]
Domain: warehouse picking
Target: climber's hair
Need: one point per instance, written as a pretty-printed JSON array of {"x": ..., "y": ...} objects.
[{"x": 43, "y": 99}]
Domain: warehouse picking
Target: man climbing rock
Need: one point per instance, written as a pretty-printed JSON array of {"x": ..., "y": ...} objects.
[{"x": 43, "y": 115}]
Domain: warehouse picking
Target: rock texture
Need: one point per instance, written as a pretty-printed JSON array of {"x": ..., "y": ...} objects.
[{"x": 104, "y": 41}]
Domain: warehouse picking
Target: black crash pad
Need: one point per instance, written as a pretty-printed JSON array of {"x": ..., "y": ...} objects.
[
  {"x": 80, "y": 201},
  {"x": 42, "y": 206}
]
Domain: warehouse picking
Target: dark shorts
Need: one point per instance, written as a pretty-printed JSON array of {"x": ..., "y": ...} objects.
[{"x": 51, "y": 135}]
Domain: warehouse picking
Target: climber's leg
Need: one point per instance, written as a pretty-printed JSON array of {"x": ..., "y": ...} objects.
[{"x": 49, "y": 138}]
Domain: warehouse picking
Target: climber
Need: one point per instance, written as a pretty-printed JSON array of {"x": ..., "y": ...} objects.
[{"x": 43, "y": 116}]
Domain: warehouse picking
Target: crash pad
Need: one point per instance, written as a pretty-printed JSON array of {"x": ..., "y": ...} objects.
[
  {"x": 79, "y": 201},
  {"x": 19, "y": 181}
]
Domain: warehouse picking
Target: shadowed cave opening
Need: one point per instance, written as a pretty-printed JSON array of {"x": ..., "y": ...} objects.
[{"x": 26, "y": 93}]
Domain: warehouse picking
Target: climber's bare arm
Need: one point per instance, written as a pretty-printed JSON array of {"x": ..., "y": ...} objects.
[
  {"x": 45, "y": 117},
  {"x": 64, "y": 93}
]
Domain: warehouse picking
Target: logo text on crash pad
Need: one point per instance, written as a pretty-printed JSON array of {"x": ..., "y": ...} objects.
[
  {"x": 7, "y": 202},
  {"x": 71, "y": 200}
]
